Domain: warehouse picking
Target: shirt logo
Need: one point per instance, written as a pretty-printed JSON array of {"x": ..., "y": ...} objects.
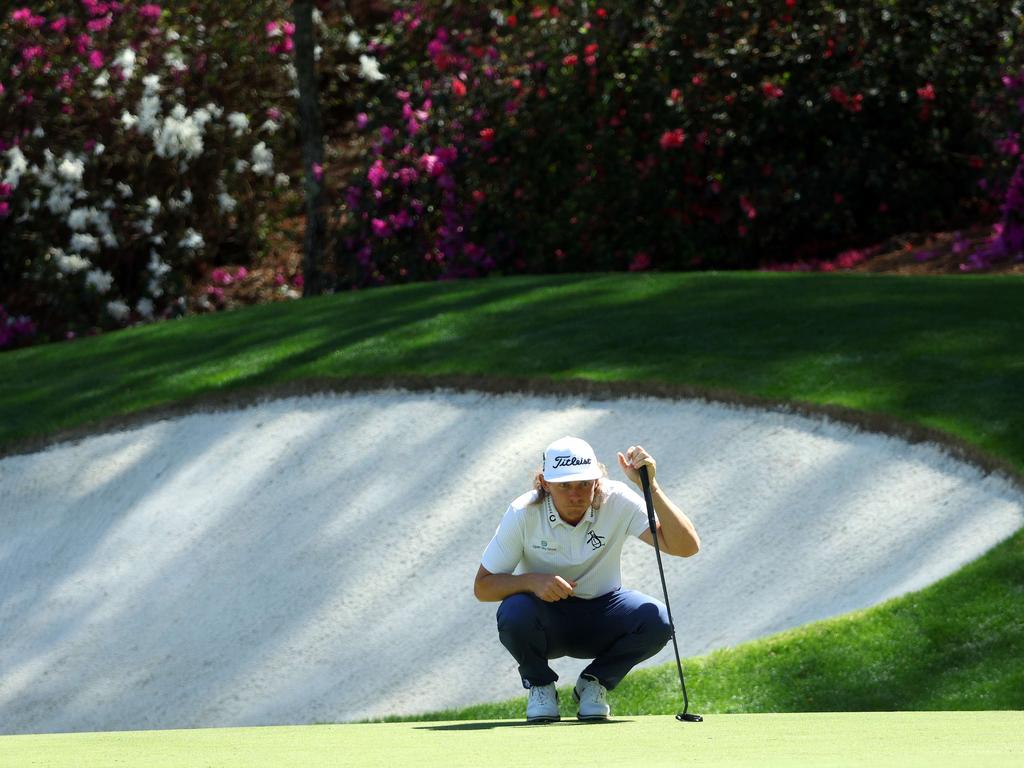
[{"x": 595, "y": 541}]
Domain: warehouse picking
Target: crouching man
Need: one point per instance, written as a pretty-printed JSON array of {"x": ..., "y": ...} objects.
[{"x": 554, "y": 563}]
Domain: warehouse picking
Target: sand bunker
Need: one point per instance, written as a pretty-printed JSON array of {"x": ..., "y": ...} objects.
[{"x": 311, "y": 559}]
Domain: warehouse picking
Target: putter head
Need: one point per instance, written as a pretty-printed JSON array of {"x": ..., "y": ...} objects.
[{"x": 686, "y": 717}]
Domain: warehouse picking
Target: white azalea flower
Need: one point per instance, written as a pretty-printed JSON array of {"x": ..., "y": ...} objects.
[
  {"x": 128, "y": 120},
  {"x": 59, "y": 201},
  {"x": 369, "y": 68},
  {"x": 282, "y": 180},
  {"x": 118, "y": 309},
  {"x": 226, "y": 202},
  {"x": 262, "y": 160},
  {"x": 81, "y": 241},
  {"x": 353, "y": 41},
  {"x": 145, "y": 308},
  {"x": 78, "y": 219},
  {"x": 149, "y": 109},
  {"x": 239, "y": 121},
  {"x": 68, "y": 263},
  {"x": 71, "y": 169},
  {"x": 124, "y": 189},
  {"x": 178, "y": 135},
  {"x": 17, "y": 166},
  {"x": 99, "y": 280},
  {"x": 192, "y": 241},
  {"x": 151, "y": 83},
  {"x": 126, "y": 61}
]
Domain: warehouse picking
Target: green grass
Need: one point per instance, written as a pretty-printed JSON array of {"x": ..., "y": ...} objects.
[
  {"x": 882, "y": 740},
  {"x": 935, "y": 352}
]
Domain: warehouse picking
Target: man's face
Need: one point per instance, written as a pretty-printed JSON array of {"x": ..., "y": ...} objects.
[{"x": 572, "y": 499}]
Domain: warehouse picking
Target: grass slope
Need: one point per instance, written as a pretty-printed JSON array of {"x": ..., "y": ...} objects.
[
  {"x": 937, "y": 352},
  {"x": 882, "y": 740}
]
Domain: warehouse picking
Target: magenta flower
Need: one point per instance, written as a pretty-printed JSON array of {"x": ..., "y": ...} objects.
[
  {"x": 98, "y": 25},
  {"x": 221, "y": 276},
  {"x": 96, "y": 60},
  {"x": 377, "y": 175},
  {"x": 362, "y": 120},
  {"x": 151, "y": 12},
  {"x": 32, "y": 52},
  {"x": 640, "y": 262},
  {"x": 59, "y": 24},
  {"x": 5, "y": 209},
  {"x": 381, "y": 228},
  {"x": 432, "y": 164},
  {"x": 318, "y": 172}
]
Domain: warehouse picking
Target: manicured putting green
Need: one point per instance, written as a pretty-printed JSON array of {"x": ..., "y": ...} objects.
[{"x": 879, "y": 739}]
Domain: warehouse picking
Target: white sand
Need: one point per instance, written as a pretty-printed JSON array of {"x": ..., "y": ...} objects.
[{"x": 311, "y": 559}]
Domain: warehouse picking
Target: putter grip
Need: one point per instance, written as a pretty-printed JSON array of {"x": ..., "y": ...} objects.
[{"x": 645, "y": 482}]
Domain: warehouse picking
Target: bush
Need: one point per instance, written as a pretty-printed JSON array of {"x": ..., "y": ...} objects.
[
  {"x": 137, "y": 147},
  {"x": 580, "y": 136}
]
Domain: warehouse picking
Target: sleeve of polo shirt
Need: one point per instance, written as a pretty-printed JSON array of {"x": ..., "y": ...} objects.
[
  {"x": 638, "y": 522},
  {"x": 506, "y": 548}
]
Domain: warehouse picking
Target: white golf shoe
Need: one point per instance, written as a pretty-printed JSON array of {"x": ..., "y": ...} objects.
[
  {"x": 593, "y": 699},
  {"x": 542, "y": 704}
]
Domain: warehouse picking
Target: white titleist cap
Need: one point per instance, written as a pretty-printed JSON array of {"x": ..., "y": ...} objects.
[{"x": 570, "y": 459}]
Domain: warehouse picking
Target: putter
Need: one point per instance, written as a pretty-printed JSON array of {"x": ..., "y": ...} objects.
[{"x": 685, "y": 716}]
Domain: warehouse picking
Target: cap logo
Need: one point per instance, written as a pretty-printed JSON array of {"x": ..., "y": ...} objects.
[{"x": 570, "y": 461}]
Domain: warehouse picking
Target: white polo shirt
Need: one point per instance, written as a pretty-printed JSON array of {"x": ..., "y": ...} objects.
[{"x": 532, "y": 538}]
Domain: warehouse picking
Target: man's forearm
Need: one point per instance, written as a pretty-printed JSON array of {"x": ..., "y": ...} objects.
[
  {"x": 678, "y": 532},
  {"x": 497, "y": 586}
]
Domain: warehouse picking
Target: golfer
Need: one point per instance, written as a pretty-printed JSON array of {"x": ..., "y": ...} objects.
[{"x": 554, "y": 565}]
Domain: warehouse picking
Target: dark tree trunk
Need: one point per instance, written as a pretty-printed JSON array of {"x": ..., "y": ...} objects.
[{"x": 311, "y": 132}]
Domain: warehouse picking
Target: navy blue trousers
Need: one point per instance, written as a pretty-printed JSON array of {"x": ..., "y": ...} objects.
[{"x": 617, "y": 630}]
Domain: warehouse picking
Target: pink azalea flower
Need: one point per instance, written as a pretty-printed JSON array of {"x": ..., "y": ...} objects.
[
  {"x": 32, "y": 52},
  {"x": 381, "y": 228},
  {"x": 640, "y": 262},
  {"x": 377, "y": 175},
  {"x": 318, "y": 171},
  {"x": 96, "y": 60},
  {"x": 151, "y": 12},
  {"x": 5, "y": 209},
  {"x": 98, "y": 25},
  {"x": 362, "y": 120}
]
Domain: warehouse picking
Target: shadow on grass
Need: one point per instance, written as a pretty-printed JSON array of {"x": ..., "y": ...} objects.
[{"x": 491, "y": 724}]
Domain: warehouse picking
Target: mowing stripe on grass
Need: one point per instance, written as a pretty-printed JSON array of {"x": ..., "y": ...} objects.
[{"x": 818, "y": 740}]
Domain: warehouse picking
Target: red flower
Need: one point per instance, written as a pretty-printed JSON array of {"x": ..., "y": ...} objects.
[
  {"x": 771, "y": 91},
  {"x": 511, "y": 20},
  {"x": 570, "y": 60},
  {"x": 458, "y": 87},
  {"x": 487, "y": 134},
  {"x": 672, "y": 139},
  {"x": 927, "y": 92}
]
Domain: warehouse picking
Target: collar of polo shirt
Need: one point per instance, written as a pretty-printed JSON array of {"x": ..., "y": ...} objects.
[{"x": 556, "y": 519}]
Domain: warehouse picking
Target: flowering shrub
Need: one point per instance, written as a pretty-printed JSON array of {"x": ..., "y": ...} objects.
[
  {"x": 575, "y": 136},
  {"x": 137, "y": 144}
]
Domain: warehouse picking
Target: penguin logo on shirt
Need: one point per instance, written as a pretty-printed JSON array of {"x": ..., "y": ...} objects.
[{"x": 595, "y": 541}]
